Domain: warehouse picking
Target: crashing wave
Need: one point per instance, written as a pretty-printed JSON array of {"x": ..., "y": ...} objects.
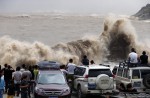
[{"x": 114, "y": 43}]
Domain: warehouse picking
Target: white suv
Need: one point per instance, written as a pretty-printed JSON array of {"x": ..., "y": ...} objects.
[
  {"x": 93, "y": 79},
  {"x": 138, "y": 76}
]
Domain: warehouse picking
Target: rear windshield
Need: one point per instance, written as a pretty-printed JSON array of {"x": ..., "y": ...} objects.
[{"x": 96, "y": 72}]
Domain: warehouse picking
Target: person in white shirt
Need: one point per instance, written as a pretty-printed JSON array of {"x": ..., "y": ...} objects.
[
  {"x": 17, "y": 75},
  {"x": 133, "y": 58},
  {"x": 70, "y": 70},
  {"x": 70, "y": 67}
]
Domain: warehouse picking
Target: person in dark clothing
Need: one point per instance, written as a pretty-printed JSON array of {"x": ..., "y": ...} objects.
[
  {"x": 24, "y": 87},
  {"x": 8, "y": 76},
  {"x": 122, "y": 87},
  {"x": 11, "y": 89},
  {"x": 9, "y": 72},
  {"x": 85, "y": 60},
  {"x": 5, "y": 69},
  {"x": 130, "y": 89},
  {"x": 92, "y": 62},
  {"x": 31, "y": 84},
  {"x": 144, "y": 58}
]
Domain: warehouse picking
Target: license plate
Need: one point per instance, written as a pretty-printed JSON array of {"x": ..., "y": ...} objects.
[
  {"x": 53, "y": 97},
  {"x": 91, "y": 86},
  {"x": 137, "y": 84}
]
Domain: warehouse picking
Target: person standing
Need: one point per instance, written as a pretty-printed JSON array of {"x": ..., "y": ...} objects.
[
  {"x": 17, "y": 79},
  {"x": 2, "y": 83},
  {"x": 144, "y": 58},
  {"x": 70, "y": 67},
  {"x": 35, "y": 71},
  {"x": 5, "y": 69},
  {"x": 23, "y": 68},
  {"x": 133, "y": 58},
  {"x": 85, "y": 60},
  {"x": 27, "y": 73},
  {"x": 70, "y": 72},
  {"x": 24, "y": 87},
  {"x": 11, "y": 89}
]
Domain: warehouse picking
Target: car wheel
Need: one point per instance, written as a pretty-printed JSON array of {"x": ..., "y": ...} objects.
[
  {"x": 79, "y": 92},
  {"x": 146, "y": 81}
]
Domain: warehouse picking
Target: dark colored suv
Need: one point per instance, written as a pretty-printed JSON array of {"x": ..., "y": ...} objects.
[{"x": 51, "y": 84}]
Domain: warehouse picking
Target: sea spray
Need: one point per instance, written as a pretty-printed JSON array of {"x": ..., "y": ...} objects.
[
  {"x": 16, "y": 53},
  {"x": 118, "y": 38},
  {"x": 114, "y": 43}
]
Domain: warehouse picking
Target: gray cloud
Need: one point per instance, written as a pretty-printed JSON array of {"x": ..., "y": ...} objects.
[{"x": 74, "y": 6}]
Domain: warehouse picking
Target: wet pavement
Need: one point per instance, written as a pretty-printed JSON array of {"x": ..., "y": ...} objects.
[{"x": 74, "y": 95}]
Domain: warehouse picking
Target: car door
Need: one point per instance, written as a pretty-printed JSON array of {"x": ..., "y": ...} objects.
[
  {"x": 118, "y": 76},
  {"x": 126, "y": 76},
  {"x": 78, "y": 76},
  {"x": 136, "y": 80}
]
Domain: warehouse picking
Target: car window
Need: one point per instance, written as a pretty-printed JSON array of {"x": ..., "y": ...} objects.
[
  {"x": 126, "y": 73},
  {"x": 114, "y": 70},
  {"x": 51, "y": 79},
  {"x": 135, "y": 74},
  {"x": 144, "y": 72},
  {"x": 120, "y": 70},
  {"x": 96, "y": 72},
  {"x": 79, "y": 71}
]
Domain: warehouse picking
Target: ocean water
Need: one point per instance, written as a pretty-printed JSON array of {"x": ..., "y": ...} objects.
[{"x": 32, "y": 38}]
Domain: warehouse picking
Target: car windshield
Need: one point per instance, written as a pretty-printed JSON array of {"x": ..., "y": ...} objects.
[
  {"x": 51, "y": 79},
  {"x": 96, "y": 72}
]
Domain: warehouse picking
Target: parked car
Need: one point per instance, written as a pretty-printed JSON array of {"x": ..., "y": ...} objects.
[
  {"x": 93, "y": 79},
  {"x": 51, "y": 84},
  {"x": 138, "y": 76}
]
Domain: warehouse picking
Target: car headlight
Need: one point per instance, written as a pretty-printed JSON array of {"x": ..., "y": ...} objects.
[
  {"x": 66, "y": 91},
  {"x": 39, "y": 91}
]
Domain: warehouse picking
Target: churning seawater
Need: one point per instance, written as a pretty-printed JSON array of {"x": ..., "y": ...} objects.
[{"x": 32, "y": 38}]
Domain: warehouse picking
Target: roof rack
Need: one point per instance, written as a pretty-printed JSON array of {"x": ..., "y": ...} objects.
[
  {"x": 48, "y": 65},
  {"x": 104, "y": 65},
  {"x": 126, "y": 64}
]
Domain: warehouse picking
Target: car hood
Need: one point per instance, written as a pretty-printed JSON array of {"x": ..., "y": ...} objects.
[{"x": 52, "y": 86}]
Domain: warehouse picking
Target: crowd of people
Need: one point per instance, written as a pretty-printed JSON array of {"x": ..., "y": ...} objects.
[
  {"x": 14, "y": 82},
  {"x": 18, "y": 81},
  {"x": 128, "y": 88}
]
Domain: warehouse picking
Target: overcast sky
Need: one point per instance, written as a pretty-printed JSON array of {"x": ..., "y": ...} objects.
[{"x": 126, "y": 7}]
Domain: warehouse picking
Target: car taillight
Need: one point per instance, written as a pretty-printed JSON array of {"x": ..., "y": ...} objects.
[
  {"x": 113, "y": 76},
  {"x": 86, "y": 76}
]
